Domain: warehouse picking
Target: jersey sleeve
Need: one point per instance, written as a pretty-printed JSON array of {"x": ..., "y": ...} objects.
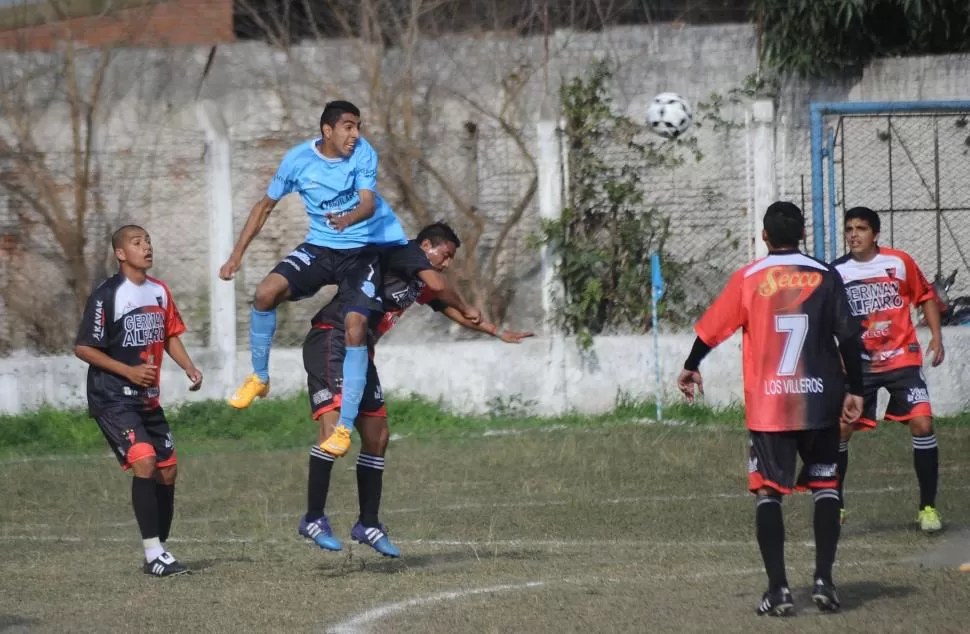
[
  {"x": 93, "y": 330},
  {"x": 919, "y": 289},
  {"x": 284, "y": 181},
  {"x": 366, "y": 177},
  {"x": 174, "y": 326},
  {"x": 725, "y": 315}
]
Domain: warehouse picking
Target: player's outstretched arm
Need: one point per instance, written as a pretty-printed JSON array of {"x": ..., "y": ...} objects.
[
  {"x": 441, "y": 288},
  {"x": 176, "y": 349},
  {"x": 141, "y": 375},
  {"x": 254, "y": 223},
  {"x": 508, "y": 336},
  {"x": 364, "y": 210}
]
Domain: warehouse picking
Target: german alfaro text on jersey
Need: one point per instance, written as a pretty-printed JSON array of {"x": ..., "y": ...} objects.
[
  {"x": 791, "y": 308},
  {"x": 130, "y": 323},
  {"x": 881, "y": 292}
]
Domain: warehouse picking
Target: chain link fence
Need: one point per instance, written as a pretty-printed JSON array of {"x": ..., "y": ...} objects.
[{"x": 912, "y": 167}]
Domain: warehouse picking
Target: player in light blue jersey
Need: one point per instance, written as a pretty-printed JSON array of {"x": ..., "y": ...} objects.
[{"x": 350, "y": 227}]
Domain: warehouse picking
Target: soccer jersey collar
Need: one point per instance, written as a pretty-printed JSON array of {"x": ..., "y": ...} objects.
[
  {"x": 320, "y": 154},
  {"x": 784, "y": 252}
]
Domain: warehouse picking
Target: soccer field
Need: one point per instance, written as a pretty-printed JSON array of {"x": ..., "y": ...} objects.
[{"x": 630, "y": 528}]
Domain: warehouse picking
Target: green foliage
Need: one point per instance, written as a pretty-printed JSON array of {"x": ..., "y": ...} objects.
[
  {"x": 605, "y": 236},
  {"x": 827, "y": 37}
]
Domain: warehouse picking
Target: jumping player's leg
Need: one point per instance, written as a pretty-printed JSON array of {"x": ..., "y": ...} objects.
[
  {"x": 323, "y": 352},
  {"x": 909, "y": 403},
  {"x": 300, "y": 274},
  {"x": 369, "y": 530},
  {"x": 360, "y": 290},
  {"x": 771, "y": 475}
]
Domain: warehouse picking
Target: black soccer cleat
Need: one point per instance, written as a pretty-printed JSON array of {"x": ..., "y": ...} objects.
[
  {"x": 777, "y": 603},
  {"x": 164, "y": 566},
  {"x": 825, "y": 596}
]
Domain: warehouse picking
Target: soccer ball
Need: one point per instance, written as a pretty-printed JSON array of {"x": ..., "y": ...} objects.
[{"x": 669, "y": 115}]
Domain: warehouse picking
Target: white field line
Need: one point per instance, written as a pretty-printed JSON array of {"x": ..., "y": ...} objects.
[{"x": 366, "y": 620}]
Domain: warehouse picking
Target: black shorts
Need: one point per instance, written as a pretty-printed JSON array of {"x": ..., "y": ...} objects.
[
  {"x": 323, "y": 358},
  {"x": 134, "y": 435},
  {"x": 774, "y": 456},
  {"x": 909, "y": 396},
  {"x": 357, "y": 272}
]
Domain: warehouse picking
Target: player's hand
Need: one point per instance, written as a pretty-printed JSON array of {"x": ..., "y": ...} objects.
[
  {"x": 686, "y": 382},
  {"x": 851, "y": 409},
  {"x": 472, "y": 314},
  {"x": 339, "y": 222},
  {"x": 228, "y": 270},
  {"x": 513, "y": 336},
  {"x": 936, "y": 350},
  {"x": 195, "y": 377},
  {"x": 143, "y": 375}
]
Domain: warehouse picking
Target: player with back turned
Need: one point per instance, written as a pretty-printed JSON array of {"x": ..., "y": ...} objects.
[{"x": 798, "y": 333}]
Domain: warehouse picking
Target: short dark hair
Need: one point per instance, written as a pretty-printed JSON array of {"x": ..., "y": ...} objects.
[
  {"x": 438, "y": 232},
  {"x": 336, "y": 109},
  {"x": 118, "y": 237},
  {"x": 866, "y": 214},
  {"x": 785, "y": 224}
]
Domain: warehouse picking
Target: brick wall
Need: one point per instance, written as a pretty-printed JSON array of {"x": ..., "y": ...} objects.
[{"x": 172, "y": 23}]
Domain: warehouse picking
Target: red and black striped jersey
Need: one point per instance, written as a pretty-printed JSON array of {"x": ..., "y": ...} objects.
[
  {"x": 130, "y": 323},
  {"x": 791, "y": 309},
  {"x": 881, "y": 293}
]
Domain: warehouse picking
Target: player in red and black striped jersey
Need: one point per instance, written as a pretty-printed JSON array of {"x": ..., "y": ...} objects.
[
  {"x": 323, "y": 356},
  {"x": 129, "y": 322},
  {"x": 797, "y": 336},
  {"x": 883, "y": 286}
]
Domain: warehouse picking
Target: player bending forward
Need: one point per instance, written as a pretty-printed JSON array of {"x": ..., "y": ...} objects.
[
  {"x": 882, "y": 284},
  {"x": 323, "y": 353},
  {"x": 792, "y": 310},
  {"x": 129, "y": 322}
]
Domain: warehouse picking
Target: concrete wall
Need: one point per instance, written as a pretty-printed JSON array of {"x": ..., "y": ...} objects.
[{"x": 471, "y": 376}]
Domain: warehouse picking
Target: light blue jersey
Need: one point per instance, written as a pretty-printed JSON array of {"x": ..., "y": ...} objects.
[{"x": 332, "y": 186}]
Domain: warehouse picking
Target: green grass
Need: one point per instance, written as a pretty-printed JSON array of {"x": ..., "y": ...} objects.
[
  {"x": 285, "y": 423},
  {"x": 633, "y": 528}
]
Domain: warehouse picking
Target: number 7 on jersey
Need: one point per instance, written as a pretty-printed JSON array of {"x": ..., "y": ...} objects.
[{"x": 796, "y": 327}]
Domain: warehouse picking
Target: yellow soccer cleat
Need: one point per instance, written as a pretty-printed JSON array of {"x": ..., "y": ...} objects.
[
  {"x": 252, "y": 389},
  {"x": 338, "y": 443},
  {"x": 929, "y": 520}
]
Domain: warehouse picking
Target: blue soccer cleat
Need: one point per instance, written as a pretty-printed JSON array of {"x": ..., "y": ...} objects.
[
  {"x": 319, "y": 532},
  {"x": 375, "y": 537}
]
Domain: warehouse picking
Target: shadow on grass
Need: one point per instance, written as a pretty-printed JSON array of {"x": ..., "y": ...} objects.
[
  {"x": 855, "y": 594},
  {"x": 10, "y": 623}
]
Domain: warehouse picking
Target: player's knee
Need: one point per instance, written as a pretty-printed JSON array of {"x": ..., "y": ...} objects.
[
  {"x": 767, "y": 495},
  {"x": 828, "y": 496},
  {"x": 270, "y": 292},
  {"x": 921, "y": 426},
  {"x": 845, "y": 432},
  {"x": 166, "y": 475},
  {"x": 374, "y": 435},
  {"x": 141, "y": 459},
  {"x": 355, "y": 326}
]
